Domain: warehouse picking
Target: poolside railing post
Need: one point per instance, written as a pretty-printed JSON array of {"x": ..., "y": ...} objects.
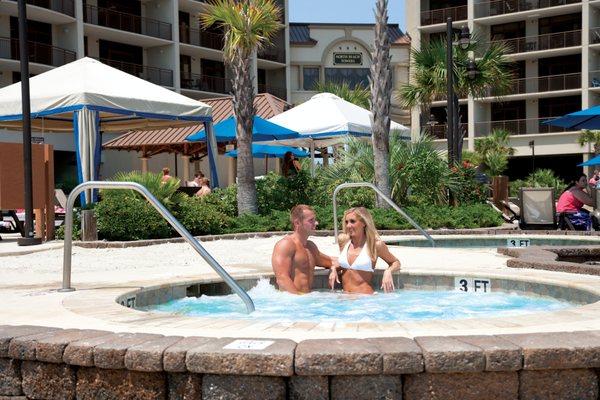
[
  {"x": 383, "y": 196},
  {"x": 66, "y": 286}
]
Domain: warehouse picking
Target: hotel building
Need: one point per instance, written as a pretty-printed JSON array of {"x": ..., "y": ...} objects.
[{"x": 555, "y": 47}]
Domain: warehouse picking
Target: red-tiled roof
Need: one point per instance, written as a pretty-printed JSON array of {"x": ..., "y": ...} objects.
[{"x": 173, "y": 139}]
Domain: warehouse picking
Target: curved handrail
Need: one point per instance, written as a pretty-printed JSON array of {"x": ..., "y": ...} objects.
[
  {"x": 383, "y": 196},
  {"x": 66, "y": 285}
]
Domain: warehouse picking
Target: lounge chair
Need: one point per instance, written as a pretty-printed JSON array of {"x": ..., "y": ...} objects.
[{"x": 537, "y": 209}]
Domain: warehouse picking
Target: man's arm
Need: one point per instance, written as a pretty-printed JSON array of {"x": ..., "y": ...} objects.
[
  {"x": 322, "y": 260},
  {"x": 282, "y": 262}
]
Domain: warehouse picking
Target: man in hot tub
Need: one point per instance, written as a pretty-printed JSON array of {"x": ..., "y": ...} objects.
[{"x": 295, "y": 257}]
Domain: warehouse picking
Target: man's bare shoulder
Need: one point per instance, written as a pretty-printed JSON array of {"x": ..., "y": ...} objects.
[
  {"x": 312, "y": 246},
  {"x": 286, "y": 245}
]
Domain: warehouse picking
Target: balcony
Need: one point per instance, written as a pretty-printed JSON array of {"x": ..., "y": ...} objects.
[
  {"x": 66, "y": 7},
  {"x": 517, "y": 127},
  {"x": 440, "y": 131},
  {"x": 159, "y": 76},
  {"x": 272, "y": 55},
  {"x": 539, "y": 84},
  {"x": 595, "y": 35},
  {"x": 595, "y": 79},
  {"x": 501, "y": 7},
  {"x": 39, "y": 53},
  {"x": 277, "y": 91},
  {"x": 440, "y": 15},
  {"x": 196, "y": 37},
  {"x": 542, "y": 42},
  {"x": 206, "y": 83},
  {"x": 127, "y": 22}
]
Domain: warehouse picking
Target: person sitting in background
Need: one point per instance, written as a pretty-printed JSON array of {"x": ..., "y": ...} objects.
[
  {"x": 571, "y": 203},
  {"x": 594, "y": 179},
  {"x": 204, "y": 187},
  {"x": 197, "y": 177},
  {"x": 166, "y": 175},
  {"x": 291, "y": 166}
]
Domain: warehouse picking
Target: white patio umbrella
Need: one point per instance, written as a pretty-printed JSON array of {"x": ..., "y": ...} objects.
[
  {"x": 327, "y": 119},
  {"x": 86, "y": 97}
]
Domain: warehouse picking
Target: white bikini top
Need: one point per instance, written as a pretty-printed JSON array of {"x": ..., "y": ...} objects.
[{"x": 361, "y": 263}]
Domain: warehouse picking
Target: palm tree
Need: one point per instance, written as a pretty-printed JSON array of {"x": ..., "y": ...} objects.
[
  {"x": 359, "y": 95},
  {"x": 248, "y": 25},
  {"x": 493, "y": 151},
  {"x": 380, "y": 82},
  {"x": 591, "y": 137},
  {"x": 429, "y": 75}
]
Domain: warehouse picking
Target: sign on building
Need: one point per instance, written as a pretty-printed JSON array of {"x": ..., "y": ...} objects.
[{"x": 347, "y": 58}]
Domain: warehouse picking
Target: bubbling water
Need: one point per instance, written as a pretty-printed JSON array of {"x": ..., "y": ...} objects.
[{"x": 330, "y": 306}]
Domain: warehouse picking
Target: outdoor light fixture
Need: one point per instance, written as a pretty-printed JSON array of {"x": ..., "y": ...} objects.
[
  {"x": 472, "y": 71},
  {"x": 463, "y": 42},
  {"x": 464, "y": 38}
]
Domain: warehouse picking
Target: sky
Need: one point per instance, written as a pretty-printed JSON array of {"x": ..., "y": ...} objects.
[{"x": 343, "y": 11}]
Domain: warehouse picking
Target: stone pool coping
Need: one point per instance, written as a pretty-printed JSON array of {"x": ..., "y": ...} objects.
[
  {"x": 41, "y": 362},
  {"x": 547, "y": 258}
]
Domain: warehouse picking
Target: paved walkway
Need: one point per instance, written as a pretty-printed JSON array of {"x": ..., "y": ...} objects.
[{"x": 29, "y": 284}]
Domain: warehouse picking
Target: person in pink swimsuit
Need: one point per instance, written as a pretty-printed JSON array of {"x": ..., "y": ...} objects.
[{"x": 572, "y": 200}]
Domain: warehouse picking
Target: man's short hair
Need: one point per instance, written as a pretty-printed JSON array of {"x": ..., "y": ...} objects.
[{"x": 297, "y": 212}]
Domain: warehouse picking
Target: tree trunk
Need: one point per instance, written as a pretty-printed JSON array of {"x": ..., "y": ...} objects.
[
  {"x": 380, "y": 82},
  {"x": 243, "y": 109}
]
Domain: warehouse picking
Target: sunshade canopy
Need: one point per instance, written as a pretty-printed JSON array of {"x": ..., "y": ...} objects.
[
  {"x": 326, "y": 119},
  {"x": 263, "y": 151},
  {"x": 262, "y": 130},
  {"x": 122, "y": 101},
  {"x": 86, "y": 97},
  {"x": 591, "y": 162},
  {"x": 584, "y": 119}
]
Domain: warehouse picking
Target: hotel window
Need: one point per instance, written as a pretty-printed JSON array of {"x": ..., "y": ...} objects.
[
  {"x": 310, "y": 77},
  {"x": 352, "y": 76}
]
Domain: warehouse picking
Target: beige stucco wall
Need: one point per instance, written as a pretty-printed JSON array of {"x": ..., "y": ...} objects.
[{"x": 346, "y": 38}]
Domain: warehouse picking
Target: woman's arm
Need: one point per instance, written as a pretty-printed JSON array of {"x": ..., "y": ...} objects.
[
  {"x": 583, "y": 197},
  {"x": 387, "y": 282}
]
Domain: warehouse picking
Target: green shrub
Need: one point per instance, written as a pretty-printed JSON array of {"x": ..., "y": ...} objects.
[
  {"x": 127, "y": 217},
  {"x": 224, "y": 199},
  {"x": 274, "y": 221},
  {"x": 200, "y": 217},
  {"x": 60, "y": 232},
  {"x": 467, "y": 190},
  {"x": 538, "y": 178},
  {"x": 275, "y": 192}
]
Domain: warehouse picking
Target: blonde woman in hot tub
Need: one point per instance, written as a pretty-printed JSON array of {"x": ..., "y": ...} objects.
[{"x": 360, "y": 247}]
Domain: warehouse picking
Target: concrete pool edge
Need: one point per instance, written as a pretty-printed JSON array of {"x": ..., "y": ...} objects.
[{"x": 84, "y": 363}]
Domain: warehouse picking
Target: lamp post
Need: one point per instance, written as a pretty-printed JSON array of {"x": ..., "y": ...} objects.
[
  {"x": 532, "y": 145},
  {"x": 28, "y": 238},
  {"x": 464, "y": 41}
]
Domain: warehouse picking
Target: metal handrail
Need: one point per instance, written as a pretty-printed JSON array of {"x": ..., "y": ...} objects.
[
  {"x": 383, "y": 196},
  {"x": 66, "y": 285}
]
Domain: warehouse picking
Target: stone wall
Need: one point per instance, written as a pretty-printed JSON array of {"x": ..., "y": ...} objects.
[{"x": 49, "y": 363}]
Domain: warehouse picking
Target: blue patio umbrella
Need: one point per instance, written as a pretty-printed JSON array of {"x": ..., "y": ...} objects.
[
  {"x": 584, "y": 119},
  {"x": 590, "y": 162},
  {"x": 262, "y": 130},
  {"x": 263, "y": 151}
]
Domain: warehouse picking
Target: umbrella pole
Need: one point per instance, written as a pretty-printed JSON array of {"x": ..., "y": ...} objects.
[
  {"x": 266, "y": 165},
  {"x": 312, "y": 158}
]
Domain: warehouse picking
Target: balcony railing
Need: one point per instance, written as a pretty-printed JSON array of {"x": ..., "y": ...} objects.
[
  {"x": 501, "y": 7},
  {"x": 440, "y": 15},
  {"x": 517, "y": 126},
  {"x": 440, "y": 131},
  {"x": 595, "y": 79},
  {"x": 38, "y": 52},
  {"x": 278, "y": 91},
  {"x": 547, "y": 83},
  {"x": 159, "y": 76},
  {"x": 66, "y": 7},
  {"x": 272, "y": 55},
  {"x": 197, "y": 37},
  {"x": 206, "y": 83},
  {"x": 542, "y": 42},
  {"x": 595, "y": 35},
  {"x": 127, "y": 22}
]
